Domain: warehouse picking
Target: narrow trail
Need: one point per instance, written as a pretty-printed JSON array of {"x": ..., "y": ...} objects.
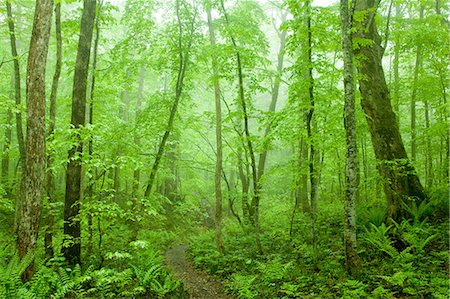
[{"x": 198, "y": 284}]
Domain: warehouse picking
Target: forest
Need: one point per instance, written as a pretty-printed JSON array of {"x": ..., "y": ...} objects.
[{"x": 224, "y": 148}]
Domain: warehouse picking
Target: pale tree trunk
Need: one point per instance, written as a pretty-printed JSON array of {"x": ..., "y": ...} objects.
[
  {"x": 414, "y": 94},
  {"x": 35, "y": 140},
  {"x": 254, "y": 212},
  {"x": 218, "y": 173},
  {"x": 401, "y": 183},
  {"x": 50, "y": 184},
  {"x": 72, "y": 228},
  {"x": 183, "y": 63},
  {"x": 352, "y": 261}
]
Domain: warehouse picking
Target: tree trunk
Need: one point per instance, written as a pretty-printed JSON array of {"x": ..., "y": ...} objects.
[
  {"x": 137, "y": 170},
  {"x": 414, "y": 94},
  {"x": 352, "y": 261},
  {"x": 429, "y": 175},
  {"x": 273, "y": 103},
  {"x": 254, "y": 212},
  {"x": 35, "y": 140},
  {"x": 183, "y": 63},
  {"x": 218, "y": 173},
  {"x": 313, "y": 157},
  {"x": 401, "y": 183},
  {"x": 17, "y": 92},
  {"x": 72, "y": 229},
  {"x": 90, "y": 183},
  {"x": 396, "y": 61},
  {"x": 48, "y": 239},
  {"x": 6, "y": 149}
]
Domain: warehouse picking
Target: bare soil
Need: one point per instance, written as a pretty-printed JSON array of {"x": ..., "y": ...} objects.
[{"x": 198, "y": 284}]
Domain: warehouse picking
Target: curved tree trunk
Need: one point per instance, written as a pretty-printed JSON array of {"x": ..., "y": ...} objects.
[
  {"x": 401, "y": 183},
  {"x": 183, "y": 63},
  {"x": 35, "y": 141}
]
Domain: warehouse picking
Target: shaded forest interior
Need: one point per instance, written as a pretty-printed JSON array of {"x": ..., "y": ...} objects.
[{"x": 296, "y": 148}]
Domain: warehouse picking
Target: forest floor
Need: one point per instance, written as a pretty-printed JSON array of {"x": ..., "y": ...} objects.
[{"x": 198, "y": 284}]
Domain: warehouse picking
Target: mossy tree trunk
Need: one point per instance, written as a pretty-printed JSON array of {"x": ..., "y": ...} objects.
[
  {"x": 400, "y": 181},
  {"x": 34, "y": 180},
  {"x": 72, "y": 228}
]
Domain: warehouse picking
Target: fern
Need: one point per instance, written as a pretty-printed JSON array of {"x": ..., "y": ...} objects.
[{"x": 378, "y": 238}]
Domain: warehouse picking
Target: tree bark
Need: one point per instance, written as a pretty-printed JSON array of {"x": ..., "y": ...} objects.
[
  {"x": 273, "y": 102},
  {"x": 218, "y": 173},
  {"x": 417, "y": 67},
  {"x": 313, "y": 171},
  {"x": 6, "y": 149},
  {"x": 183, "y": 63},
  {"x": 137, "y": 171},
  {"x": 401, "y": 183},
  {"x": 17, "y": 91},
  {"x": 396, "y": 61},
  {"x": 254, "y": 212},
  {"x": 352, "y": 261},
  {"x": 35, "y": 140},
  {"x": 72, "y": 229},
  {"x": 91, "y": 182},
  {"x": 50, "y": 184}
]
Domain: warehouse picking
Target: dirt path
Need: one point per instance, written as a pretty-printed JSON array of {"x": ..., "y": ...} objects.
[{"x": 198, "y": 284}]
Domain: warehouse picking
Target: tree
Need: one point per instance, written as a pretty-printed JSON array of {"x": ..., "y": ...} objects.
[
  {"x": 351, "y": 167},
  {"x": 17, "y": 90},
  {"x": 217, "y": 96},
  {"x": 183, "y": 62},
  {"x": 254, "y": 208},
  {"x": 35, "y": 141},
  {"x": 401, "y": 183},
  {"x": 72, "y": 249},
  {"x": 418, "y": 66},
  {"x": 50, "y": 184}
]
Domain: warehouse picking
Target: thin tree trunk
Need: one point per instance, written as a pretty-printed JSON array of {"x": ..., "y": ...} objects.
[
  {"x": 91, "y": 182},
  {"x": 245, "y": 189},
  {"x": 313, "y": 171},
  {"x": 50, "y": 157},
  {"x": 429, "y": 175},
  {"x": 17, "y": 91},
  {"x": 352, "y": 261},
  {"x": 218, "y": 173},
  {"x": 396, "y": 61},
  {"x": 256, "y": 186},
  {"x": 273, "y": 102},
  {"x": 183, "y": 63},
  {"x": 137, "y": 171},
  {"x": 414, "y": 94},
  {"x": 72, "y": 228},
  {"x": 401, "y": 183},
  {"x": 6, "y": 149},
  {"x": 35, "y": 141}
]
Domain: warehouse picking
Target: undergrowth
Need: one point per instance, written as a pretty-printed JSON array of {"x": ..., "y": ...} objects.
[
  {"x": 136, "y": 273},
  {"x": 403, "y": 260}
]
